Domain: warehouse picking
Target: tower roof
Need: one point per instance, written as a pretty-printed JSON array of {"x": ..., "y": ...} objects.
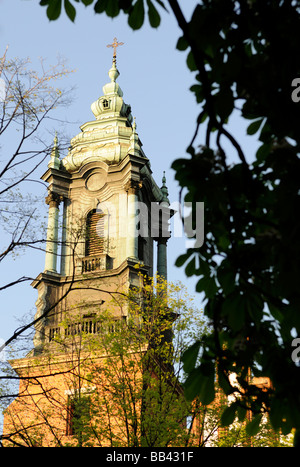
[{"x": 109, "y": 137}]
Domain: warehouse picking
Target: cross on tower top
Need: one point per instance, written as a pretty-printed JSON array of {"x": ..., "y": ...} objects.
[{"x": 114, "y": 45}]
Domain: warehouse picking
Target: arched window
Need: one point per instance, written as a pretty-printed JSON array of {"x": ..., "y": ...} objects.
[
  {"x": 105, "y": 104},
  {"x": 94, "y": 243}
]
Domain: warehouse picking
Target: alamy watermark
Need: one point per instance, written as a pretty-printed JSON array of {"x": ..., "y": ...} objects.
[
  {"x": 296, "y": 353},
  {"x": 296, "y": 92},
  {"x": 154, "y": 220}
]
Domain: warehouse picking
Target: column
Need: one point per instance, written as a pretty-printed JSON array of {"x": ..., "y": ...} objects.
[
  {"x": 132, "y": 231},
  {"x": 162, "y": 257},
  {"x": 53, "y": 200},
  {"x": 64, "y": 241},
  {"x": 161, "y": 229}
]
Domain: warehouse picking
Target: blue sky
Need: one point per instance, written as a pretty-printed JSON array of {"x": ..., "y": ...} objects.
[{"x": 155, "y": 82}]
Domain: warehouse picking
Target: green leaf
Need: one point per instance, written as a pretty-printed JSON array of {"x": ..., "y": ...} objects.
[
  {"x": 226, "y": 277},
  {"x": 252, "y": 427},
  {"x": 208, "y": 286},
  {"x": 70, "y": 10},
  {"x": 198, "y": 90},
  {"x": 234, "y": 309},
  {"x": 228, "y": 416},
  {"x": 112, "y": 8},
  {"x": 182, "y": 259},
  {"x": 54, "y": 10},
  {"x": 189, "y": 357},
  {"x": 254, "y": 126},
  {"x": 276, "y": 414},
  {"x": 191, "y": 267},
  {"x": 263, "y": 151},
  {"x": 100, "y": 6},
  {"x": 224, "y": 103},
  {"x": 200, "y": 383},
  {"x": 182, "y": 43},
  {"x": 154, "y": 18},
  {"x": 241, "y": 413},
  {"x": 224, "y": 384},
  {"x": 87, "y": 2},
  {"x": 254, "y": 306},
  {"x": 207, "y": 393},
  {"x": 191, "y": 62},
  {"x": 192, "y": 384},
  {"x": 266, "y": 132},
  {"x": 137, "y": 15},
  {"x": 224, "y": 241}
]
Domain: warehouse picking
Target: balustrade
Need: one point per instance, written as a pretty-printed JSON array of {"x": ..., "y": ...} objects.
[{"x": 95, "y": 263}]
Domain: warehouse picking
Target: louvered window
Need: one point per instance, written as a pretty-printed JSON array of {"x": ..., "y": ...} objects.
[{"x": 94, "y": 234}]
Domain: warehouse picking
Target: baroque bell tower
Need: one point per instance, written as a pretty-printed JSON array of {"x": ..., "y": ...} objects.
[
  {"x": 110, "y": 207},
  {"x": 106, "y": 216}
]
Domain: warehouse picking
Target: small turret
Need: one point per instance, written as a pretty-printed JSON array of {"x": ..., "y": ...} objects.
[
  {"x": 54, "y": 162},
  {"x": 164, "y": 189},
  {"x": 135, "y": 147}
]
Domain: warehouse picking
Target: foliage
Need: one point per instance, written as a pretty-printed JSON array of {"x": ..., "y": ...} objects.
[
  {"x": 248, "y": 268},
  {"x": 122, "y": 380},
  {"x": 138, "y": 400},
  {"x": 134, "y": 10},
  {"x": 122, "y": 385},
  {"x": 245, "y": 58}
]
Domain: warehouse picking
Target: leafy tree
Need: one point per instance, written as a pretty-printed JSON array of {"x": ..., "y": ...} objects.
[
  {"x": 122, "y": 385},
  {"x": 246, "y": 61},
  {"x": 122, "y": 380},
  {"x": 139, "y": 384}
]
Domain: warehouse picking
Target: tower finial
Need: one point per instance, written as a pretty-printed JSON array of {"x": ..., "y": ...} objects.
[
  {"x": 54, "y": 162},
  {"x": 114, "y": 45},
  {"x": 164, "y": 191},
  {"x": 134, "y": 147}
]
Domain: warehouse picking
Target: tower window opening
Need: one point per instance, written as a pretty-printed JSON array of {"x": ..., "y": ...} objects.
[
  {"x": 105, "y": 104},
  {"x": 53, "y": 333},
  {"x": 94, "y": 244}
]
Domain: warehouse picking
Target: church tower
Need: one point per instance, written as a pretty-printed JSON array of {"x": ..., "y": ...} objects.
[
  {"x": 105, "y": 219},
  {"x": 111, "y": 213}
]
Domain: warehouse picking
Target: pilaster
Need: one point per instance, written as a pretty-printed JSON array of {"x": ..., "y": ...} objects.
[
  {"x": 132, "y": 188},
  {"x": 53, "y": 200}
]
